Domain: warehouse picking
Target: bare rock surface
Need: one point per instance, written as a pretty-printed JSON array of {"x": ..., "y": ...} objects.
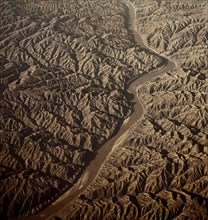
[
  {"x": 160, "y": 171},
  {"x": 177, "y": 29},
  {"x": 65, "y": 67}
]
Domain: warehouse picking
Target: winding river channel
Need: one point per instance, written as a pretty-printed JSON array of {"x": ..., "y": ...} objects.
[{"x": 103, "y": 153}]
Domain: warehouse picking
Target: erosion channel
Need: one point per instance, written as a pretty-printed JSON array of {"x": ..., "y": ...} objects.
[{"x": 103, "y": 153}]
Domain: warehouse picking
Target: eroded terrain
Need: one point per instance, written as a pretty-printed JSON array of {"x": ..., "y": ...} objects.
[
  {"x": 176, "y": 29},
  {"x": 161, "y": 170},
  {"x": 65, "y": 68}
]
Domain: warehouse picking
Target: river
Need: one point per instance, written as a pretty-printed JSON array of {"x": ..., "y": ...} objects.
[{"x": 103, "y": 153}]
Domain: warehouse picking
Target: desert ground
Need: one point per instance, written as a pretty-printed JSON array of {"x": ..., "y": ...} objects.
[{"x": 104, "y": 109}]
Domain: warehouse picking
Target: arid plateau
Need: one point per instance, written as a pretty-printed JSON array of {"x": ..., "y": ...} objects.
[{"x": 104, "y": 109}]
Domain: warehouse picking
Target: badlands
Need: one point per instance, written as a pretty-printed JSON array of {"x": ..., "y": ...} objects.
[{"x": 96, "y": 123}]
